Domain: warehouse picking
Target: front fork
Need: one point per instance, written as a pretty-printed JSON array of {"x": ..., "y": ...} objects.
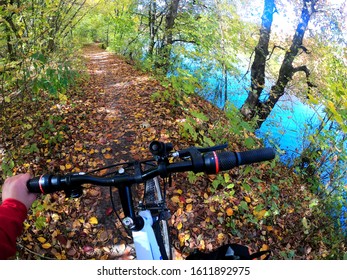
[{"x": 146, "y": 245}]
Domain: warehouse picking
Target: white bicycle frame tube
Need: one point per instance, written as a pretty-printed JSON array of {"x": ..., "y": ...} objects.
[{"x": 146, "y": 245}]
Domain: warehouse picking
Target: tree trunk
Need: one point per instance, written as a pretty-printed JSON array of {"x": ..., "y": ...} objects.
[
  {"x": 252, "y": 103},
  {"x": 224, "y": 54},
  {"x": 152, "y": 30},
  {"x": 261, "y": 110},
  {"x": 165, "y": 50}
]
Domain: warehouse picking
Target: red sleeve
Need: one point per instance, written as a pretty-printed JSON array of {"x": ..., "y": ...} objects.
[{"x": 12, "y": 215}]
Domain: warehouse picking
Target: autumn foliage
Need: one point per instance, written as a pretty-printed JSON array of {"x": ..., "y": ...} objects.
[{"x": 110, "y": 116}]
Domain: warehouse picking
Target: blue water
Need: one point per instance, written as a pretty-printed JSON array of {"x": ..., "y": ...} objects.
[{"x": 287, "y": 127}]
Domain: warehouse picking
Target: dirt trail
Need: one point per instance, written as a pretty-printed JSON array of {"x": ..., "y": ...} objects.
[{"x": 131, "y": 120}]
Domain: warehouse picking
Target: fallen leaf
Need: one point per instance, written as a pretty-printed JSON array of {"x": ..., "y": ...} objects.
[
  {"x": 88, "y": 249},
  {"x": 41, "y": 239},
  {"x": 230, "y": 211},
  {"x": 46, "y": 246},
  {"x": 175, "y": 199},
  {"x": 179, "y": 225},
  {"x": 259, "y": 214},
  {"x": 93, "y": 221},
  {"x": 220, "y": 237},
  {"x": 189, "y": 207},
  {"x": 109, "y": 211}
]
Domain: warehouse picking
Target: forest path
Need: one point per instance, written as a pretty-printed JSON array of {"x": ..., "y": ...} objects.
[{"x": 131, "y": 120}]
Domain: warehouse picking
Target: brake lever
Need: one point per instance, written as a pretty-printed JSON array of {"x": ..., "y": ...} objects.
[
  {"x": 186, "y": 153},
  {"x": 214, "y": 148}
]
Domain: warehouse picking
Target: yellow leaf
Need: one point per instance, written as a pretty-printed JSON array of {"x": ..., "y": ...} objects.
[
  {"x": 58, "y": 256},
  {"x": 68, "y": 166},
  {"x": 259, "y": 215},
  {"x": 264, "y": 247},
  {"x": 46, "y": 246},
  {"x": 212, "y": 209},
  {"x": 179, "y": 191},
  {"x": 220, "y": 237},
  {"x": 41, "y": 239},
  {"x": 26, "y": 225},
  {"x": 181, "y": 239},
  {"x": 62, "y": 98},
  {"x": 205, "y": 195},
  {"x": 175, "y": 199},
  {"x": 78, "y": 148},
  {"x": 202, "y": 245},
  {"x": 230, "y": 211},
  {"x": 93, "y": 221},
  {"x": 179, "y": 225},
  {"x": 248, "y": 199},
  {"x": 189, "y": 207}
]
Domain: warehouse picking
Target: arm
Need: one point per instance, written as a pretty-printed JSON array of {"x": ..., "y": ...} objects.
[
  {"x": 13, "y": 211},
  {"x": 12, "y": 215}
]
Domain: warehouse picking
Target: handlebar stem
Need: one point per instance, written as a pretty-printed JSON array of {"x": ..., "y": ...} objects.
[{"x": 126, "y": 199}]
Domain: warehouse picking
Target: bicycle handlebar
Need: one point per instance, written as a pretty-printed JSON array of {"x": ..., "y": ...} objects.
[{"x": 209, "y": 162}]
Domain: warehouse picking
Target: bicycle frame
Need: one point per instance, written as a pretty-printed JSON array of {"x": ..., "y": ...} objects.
[{"x": 146, "y": 245}]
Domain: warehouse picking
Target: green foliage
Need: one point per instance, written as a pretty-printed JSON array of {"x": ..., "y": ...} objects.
[
  {"x": 6, "y": 167},
  {"x": 38, "y": 207},
  {"x": 53, "y": 79},
  {"x": 194, "y": 128},
  {"x": 35, "y": 47},
  {"x": 324, "y": 160},
  {"x": 37, "y": 61},
  {"x": 177, "y": 87}
]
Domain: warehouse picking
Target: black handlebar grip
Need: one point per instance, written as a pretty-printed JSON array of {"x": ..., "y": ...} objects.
[
  {"x": 254, "y": 156},
  {"x": 216, "y": 162},
  {"x": 44, "y": 184},
  {"x": 33, "y": 185}
]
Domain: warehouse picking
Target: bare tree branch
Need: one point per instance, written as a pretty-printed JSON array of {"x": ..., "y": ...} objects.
[
  {"x": 307, "y": 72},
  {"x": 273, "y": 49}
]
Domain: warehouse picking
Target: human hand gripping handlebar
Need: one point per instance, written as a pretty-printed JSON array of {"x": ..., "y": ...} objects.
[{"x": 194, "y": 159}]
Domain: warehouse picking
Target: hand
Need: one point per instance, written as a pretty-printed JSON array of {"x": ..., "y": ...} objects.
[{"x": 15, "y": 187}]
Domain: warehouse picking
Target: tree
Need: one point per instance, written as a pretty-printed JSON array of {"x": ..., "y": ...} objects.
[
  {"x": 253, "y": 107},
  {"x": 31, "y": 33}
]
